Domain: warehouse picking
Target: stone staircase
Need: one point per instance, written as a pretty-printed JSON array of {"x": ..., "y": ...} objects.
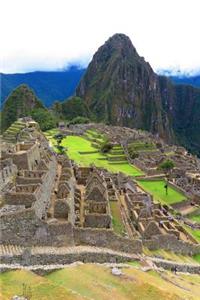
[{"x": 10, "y": 250}]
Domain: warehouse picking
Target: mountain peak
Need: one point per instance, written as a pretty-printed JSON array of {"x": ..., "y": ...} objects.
[
  {"x": 119, "y": 39},
  {"x": 121, "y": 88},
  {"x": 119, "y": 44}
]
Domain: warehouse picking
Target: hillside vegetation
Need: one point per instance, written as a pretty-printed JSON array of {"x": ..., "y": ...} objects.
[{"x": 22, "y": 102}]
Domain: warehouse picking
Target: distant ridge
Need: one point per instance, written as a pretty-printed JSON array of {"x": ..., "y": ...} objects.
[
  {"x": 189, "y": 80},
  {"x": 48, "y": 86}
]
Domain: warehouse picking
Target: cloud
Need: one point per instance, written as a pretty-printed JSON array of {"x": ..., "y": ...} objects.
[{"x": 51, "y": 34}]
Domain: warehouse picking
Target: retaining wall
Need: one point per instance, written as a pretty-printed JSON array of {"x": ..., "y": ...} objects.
[
  {"x": 171, "y": 243},
  {"x": 106, "y": 238}
]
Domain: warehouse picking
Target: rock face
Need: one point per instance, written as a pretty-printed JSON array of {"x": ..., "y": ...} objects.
[
  {"x": 121, "y": 88},
  {"x": 182, "y": 104}
]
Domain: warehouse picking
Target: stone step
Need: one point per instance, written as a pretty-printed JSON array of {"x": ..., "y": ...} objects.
[{"x": 11, "y": 250}]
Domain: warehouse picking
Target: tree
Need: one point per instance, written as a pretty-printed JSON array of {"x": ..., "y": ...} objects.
[
  {"x": 59, "y": 137},
  {"x": 166, "y": 166},
  {"x": 44, "y": 117}
]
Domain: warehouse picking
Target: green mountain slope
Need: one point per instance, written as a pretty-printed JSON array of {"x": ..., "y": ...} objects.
[{"x": 22, "y": 102}]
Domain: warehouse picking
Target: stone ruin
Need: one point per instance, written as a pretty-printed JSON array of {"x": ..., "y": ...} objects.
[
  {"x": 97, "y": 208},
  {"x": 48, "y": 201}
]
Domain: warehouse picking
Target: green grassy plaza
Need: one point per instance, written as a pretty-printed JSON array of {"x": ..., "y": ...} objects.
[{"x": 156, "y": 188}]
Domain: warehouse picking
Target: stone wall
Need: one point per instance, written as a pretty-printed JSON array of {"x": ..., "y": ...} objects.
[
  {"x": 26, "y": 156},
  {"x": 61, "y": 209},
  {"x": 20, "y": 199},
  {"x": 8, "y": 170},
  {"x": 43, "y": 199},
  {"x": 170, "y": 242},
  {"x": 185, "y": 268},
  {"x": 98, "y": 220},
  {"x": 25, "y": 228},
  {"x": 29, "y": 259},
  {"x": 181, "y": 204},
  {"x": 107, "y": 239}
]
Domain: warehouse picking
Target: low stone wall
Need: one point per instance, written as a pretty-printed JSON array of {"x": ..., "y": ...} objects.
[
  {"x": 88, "y": 152},
  {"x": 28, "y": 180},
  {"x": 181, "y": 204},
  {"x": 107, "y": 239},
  {"x": 27, "y": 259},
  {"x": 150, "y": 178},
  {"x": 180, "y": 267},
  {"x": 170, "y": 242}
]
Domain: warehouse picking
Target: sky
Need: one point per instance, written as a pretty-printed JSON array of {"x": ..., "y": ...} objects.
[{"x": 52, "y": 34}]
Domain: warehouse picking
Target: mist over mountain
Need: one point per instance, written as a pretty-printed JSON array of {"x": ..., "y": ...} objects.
[{"x": 48, "y": 86}]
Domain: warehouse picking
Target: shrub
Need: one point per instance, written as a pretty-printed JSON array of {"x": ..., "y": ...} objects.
[
  {"x": 133, "y": 154},
  {"x": 80, "y": 120},
  {"x": 106, "y": 147}
]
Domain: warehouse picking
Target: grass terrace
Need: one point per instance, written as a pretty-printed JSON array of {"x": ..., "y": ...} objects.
[
  {"x": 50, "y": 136},
  {"x": 170, "y": 255},
  {"x": 195, "y": 215},
  {"x": 197, "y": 258},
  {"x": 77, "y": 145},
  {"x": 157, "y": 190},
  {"x": 195, "y": 218},
  {"x": 85, "y": 151},
  {"x": 194, "y": 232},
  {"x": 142, "y": 146}
]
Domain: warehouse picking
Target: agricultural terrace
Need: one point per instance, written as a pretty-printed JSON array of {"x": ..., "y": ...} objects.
[
  {"x": 85, "y": 150},
  {"x": 81, "y": 150}
]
